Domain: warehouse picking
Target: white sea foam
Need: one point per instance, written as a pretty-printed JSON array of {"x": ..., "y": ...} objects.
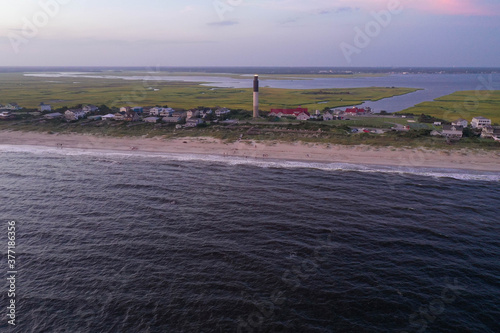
[{"x": 119, "y": 156}]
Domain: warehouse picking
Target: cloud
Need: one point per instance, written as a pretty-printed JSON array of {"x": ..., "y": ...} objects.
[
  {"x": 223, "y": 23},
  {"x": 440, "y": 7},
  {"x": 458, "y": 7}
]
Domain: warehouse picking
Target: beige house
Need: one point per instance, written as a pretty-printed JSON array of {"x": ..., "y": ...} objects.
[
  {"x": 193, "y": 113},
  {"x": 74, "y": 114},
  {"x": 480, "y": 122},
  {"x": 303, "y": 116},
  {"x": 490, "y": 132},
  {"x": 327, "y": 116},
  {"x": 452, "y": 132}
]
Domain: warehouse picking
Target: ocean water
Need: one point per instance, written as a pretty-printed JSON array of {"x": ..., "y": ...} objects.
[{"x": 116, "y": 242}]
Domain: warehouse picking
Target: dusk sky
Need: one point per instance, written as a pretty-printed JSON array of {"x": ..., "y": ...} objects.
[{"x": 153, "y": 33}]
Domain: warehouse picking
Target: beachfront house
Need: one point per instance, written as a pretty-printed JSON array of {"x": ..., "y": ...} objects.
[
  {"x": 193, "y": 122},
  {"x": 192, "y": 114},
  {"x": 165, "y": 112},
  {"x": 109, "y": 116},
  {"x": 489, "y": 132},
  {"x": 205, "y": 112},
  {"x": 356, "y": 111},
  {"x": 480, "y": 122},
  {"x": 151, "y": 119},
  {"x": 460, "y": 122},
  {"x": 90, "y": 109},
  {"x": 74, "y": 114},
  {"x": 172, "y": 120},
  {"x": 131, "y": 116},
  {"x": 138, "y": 109},
  {"x": 154, "y": 111},
  {"x": 222, "y": 111},
  {"x": 289, "y": 113},
  {"x": 303, "y": 116},
  {"x": 6, "y": 115},
  {"x": 12, "y": 107},
  {"x": 54, "y": 115},
  {"x": 452, "y": 132},
  {"x": 162, "y": 112},
  {"x": 44, "y": 107},
  {"x": 327, "y": 116}
]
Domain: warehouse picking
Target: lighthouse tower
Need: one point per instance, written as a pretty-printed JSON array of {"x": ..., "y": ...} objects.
[{"x": 256, "y": 96}]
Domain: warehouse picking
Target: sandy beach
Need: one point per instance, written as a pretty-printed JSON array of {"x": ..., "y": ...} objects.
[{"x": 418, "y": 157}]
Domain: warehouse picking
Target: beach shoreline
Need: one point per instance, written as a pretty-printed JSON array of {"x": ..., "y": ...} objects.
[{"x": 465, "y": 159}]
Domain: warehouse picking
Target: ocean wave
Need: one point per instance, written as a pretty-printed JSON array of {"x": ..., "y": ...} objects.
[{"x": 119, "y": 156}]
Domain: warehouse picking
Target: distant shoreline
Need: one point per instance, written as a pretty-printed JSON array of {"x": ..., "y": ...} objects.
[{"x": 465, "y": 159}]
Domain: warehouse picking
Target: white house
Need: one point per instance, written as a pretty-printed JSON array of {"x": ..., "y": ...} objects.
[
  {"x": 108, "y": 116},
  {"x": 480, "y": 122},
  {"x": 452, "y": 132},
  {"x": 125, "y": 109},
  {"x": 74, "y": 114},
  {"x": 5, "y": 115},
  {"x": 460, "y": 122},
  {"x": 44, "y": 107},
  {"x": 165, "y": 112},
  {"x": 154, "y": 111}
]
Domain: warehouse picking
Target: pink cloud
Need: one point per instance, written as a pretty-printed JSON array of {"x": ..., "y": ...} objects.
[{"x": 456, "y": 7}]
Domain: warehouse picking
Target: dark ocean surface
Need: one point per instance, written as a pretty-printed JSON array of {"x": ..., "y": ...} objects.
[{"x": 143, "y": 243}]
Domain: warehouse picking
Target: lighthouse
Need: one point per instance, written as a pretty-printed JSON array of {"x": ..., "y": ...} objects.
[{"x": 256, "y": 96}]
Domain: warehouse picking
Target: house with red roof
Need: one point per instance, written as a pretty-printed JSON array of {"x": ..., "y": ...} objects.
[
  {"x": 356, "y": 111},
  {"x": 301, "y": 113}
]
